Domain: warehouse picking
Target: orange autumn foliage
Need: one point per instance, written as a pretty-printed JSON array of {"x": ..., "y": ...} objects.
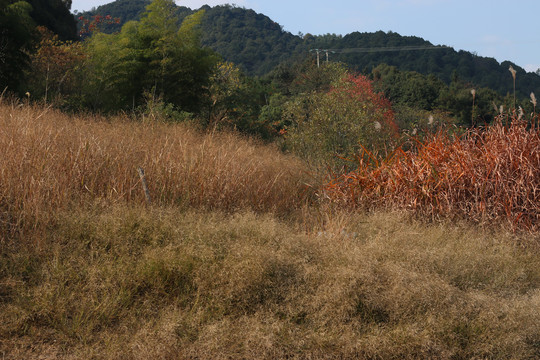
[{"x": 486, "y": 175}]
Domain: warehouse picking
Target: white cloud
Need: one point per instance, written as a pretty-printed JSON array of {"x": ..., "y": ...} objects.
[{"x": 195, "y": 4}]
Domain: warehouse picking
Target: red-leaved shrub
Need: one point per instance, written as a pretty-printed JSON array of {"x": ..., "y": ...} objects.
[{"x": 486, "y": 175}]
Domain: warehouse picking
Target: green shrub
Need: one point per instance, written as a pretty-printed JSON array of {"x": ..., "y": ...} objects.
[{"x": 329, "y": 127}]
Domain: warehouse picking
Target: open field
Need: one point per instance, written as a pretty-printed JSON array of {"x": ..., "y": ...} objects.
[
  {"x": 138, "y": 283},
  {"x": 228, "y": 261}
]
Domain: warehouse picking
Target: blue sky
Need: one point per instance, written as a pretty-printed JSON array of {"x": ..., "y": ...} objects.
[{"x": 503, "y": 30}]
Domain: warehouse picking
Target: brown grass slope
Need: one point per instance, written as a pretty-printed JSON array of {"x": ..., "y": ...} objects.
[
  {"x": 51, "y": 160},
  {"x": 208, "y": 271}
]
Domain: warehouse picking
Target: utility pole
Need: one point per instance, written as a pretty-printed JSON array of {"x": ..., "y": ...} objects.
[
  {"x": 328, "y": 51},
  {"x": 377, "y": 49},
  {"x": 318, "y": 51}
]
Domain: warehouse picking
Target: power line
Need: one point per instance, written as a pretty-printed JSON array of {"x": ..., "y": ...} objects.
[
  {"x": 373, "y": 49},
  {"x": 387, "y": 48}
]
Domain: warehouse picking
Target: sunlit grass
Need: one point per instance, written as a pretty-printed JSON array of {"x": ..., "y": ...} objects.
[
  {"x": 228, "y": 261},
  {"x": 50, "y": 161},
  {"x": 139, "y": 283}
]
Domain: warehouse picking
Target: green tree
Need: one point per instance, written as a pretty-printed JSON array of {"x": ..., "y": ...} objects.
[
  {"x": 56, "y": 16},
  {"x": 54, "y": 67},
  {"x": 111, "y": 71},
  {"x": 328, "y": 126},
  {"x": 235, "y": 101},
  {"x": 151, "y": 56},
  {"x": 16, "y": 35}
]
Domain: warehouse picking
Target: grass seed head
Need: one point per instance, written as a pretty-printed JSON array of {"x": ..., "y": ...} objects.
[{"x": 513, "y": 71}]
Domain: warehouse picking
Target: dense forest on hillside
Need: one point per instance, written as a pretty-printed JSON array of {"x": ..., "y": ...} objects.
[
  {"x": 250, "y": 40},
  {"x": 257, "y": 44}
]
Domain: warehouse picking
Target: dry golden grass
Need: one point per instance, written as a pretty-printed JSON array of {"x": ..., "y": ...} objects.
[
  {"x": 51, "y": 160},
  {"x": 210, "y": 272},
  {"x": 127, "y": 283}
]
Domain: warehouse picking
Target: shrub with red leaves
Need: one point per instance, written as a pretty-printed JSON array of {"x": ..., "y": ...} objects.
[
  {"x": 486, "y": 175},
  {"x": 359, "y": 88}
]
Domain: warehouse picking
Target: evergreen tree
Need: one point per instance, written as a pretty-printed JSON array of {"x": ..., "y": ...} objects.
[
  {"x": 56, "y": 16},
  {"x": 16, "y": 28}
]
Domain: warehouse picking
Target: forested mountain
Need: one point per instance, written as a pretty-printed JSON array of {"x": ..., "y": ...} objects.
[
  {"x": 249, "y": 39},
  {"x": 253, "y": 41},
  {"x": 125, "y": 10},
  {"x": 257, "y": 44},
  {"x": 444, "y": 62}
]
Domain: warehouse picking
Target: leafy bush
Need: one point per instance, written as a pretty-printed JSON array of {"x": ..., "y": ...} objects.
[{"x": 327, "y": 127}]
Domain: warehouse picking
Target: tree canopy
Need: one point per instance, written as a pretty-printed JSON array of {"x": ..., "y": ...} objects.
[
  {"x": 150, "y": 57},
  {"x": 257, "y": 45},
  {"x": 56, "y": 16},
  {"x": 16, "y": 34}
]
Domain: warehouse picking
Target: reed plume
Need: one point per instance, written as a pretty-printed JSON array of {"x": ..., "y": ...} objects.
[{"x": 513, "y": 71}]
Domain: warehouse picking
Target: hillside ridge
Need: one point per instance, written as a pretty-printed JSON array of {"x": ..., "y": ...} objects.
[{"x": 258, "y": 44}]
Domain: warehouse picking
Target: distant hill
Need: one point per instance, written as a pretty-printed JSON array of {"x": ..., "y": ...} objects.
[{"x": 258, "y": 44}]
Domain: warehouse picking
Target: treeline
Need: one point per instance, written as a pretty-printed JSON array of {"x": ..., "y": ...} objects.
[
  {"x": 18, "y": 35},
  {"x": 252, "y": 41},
  {"x": 443, "y": 62},
  {"x": 153, "y": 58},
  {"x": 416, "y": 96},
  {"x": 257, "y": 44},
  {"x": 158, "y": 66}
]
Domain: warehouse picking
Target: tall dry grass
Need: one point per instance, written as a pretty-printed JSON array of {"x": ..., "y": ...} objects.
[
  {"x": 486, "y": 176},
  {"x": 51, "y": 160}
]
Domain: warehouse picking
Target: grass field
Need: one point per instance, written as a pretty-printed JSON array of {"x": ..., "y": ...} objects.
[{"x": 234, "y": 258}]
